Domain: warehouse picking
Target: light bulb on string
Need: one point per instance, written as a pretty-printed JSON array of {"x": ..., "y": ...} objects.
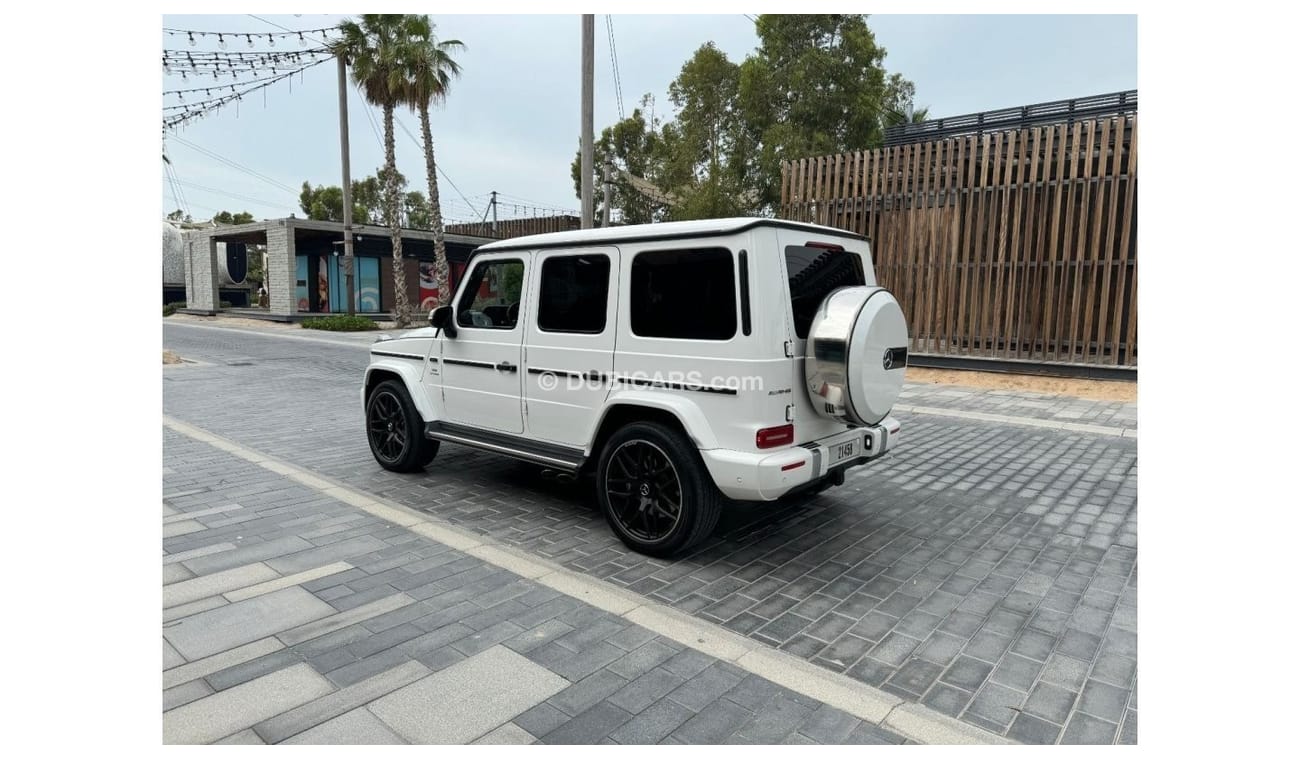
[
  {"x": 270, "y": 40},
  {"x": 250, "y": 39},
  {"x": 192, "y": 42},
  {"x": 301, "y": 42},
  {"x": 221, "y": 42}
]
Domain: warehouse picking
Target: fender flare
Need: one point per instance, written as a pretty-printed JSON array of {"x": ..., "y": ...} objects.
[
  {"x": 687, "y": 412},
  {"x": 410, "y": 373}
]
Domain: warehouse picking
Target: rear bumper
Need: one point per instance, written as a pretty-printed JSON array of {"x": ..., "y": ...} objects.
[{"x": 767, "y": 476}]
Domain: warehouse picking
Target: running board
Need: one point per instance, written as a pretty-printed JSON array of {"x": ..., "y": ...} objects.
[{"x": 563, "y": 458}]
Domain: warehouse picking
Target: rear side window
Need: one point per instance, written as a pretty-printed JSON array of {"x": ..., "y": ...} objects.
[
  {"x": 814, "y": 273},
  {"x": 687, "y": 294},
  {"x": 574, "y": 293}
]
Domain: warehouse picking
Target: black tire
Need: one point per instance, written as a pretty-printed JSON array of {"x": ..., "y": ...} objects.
[
  {"x": 396, "y": 431},
  {"x": 646, "y": 469}
]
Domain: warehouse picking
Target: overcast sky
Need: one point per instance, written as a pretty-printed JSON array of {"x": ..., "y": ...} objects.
[{"x": 511, "y": 121}]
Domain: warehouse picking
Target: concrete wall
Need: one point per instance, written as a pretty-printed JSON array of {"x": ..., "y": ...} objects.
[{"x": 201, "y": 272}]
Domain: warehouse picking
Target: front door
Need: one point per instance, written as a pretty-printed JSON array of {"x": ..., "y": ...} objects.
[
  {"x": 570, "y": 338},
  {"x": 480, "y": 369}
]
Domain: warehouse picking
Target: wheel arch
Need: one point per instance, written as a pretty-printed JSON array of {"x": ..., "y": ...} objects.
[
  {"x": 408, "y": 376},
  {"x": 672, "y": 412}
]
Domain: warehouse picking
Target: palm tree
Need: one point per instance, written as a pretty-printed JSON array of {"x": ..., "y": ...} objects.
[
  {"x": 430, "y": 69},
  {"x": 374, "y": 47}
]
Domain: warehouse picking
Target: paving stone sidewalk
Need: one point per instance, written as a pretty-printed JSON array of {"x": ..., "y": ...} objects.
[
  {"x": 985, "y": 570},
  {"x": 291, "y": 617},
  {"x": 1018, "y": 403}
]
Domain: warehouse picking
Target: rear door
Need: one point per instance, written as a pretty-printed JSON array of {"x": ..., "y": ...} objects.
[
  {"x": 480, "y": 369},
  {"x": 570, "y": 342}
]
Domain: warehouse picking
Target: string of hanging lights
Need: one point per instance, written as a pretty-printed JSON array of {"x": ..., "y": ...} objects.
[
  {"x": 250, "y": 38},
  {"x": 181, "y": 113}
]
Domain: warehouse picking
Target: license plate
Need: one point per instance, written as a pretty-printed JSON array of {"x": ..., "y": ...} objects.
[{"x": 840, "y": 452}]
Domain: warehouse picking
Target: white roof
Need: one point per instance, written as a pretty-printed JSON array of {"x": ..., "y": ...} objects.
[{"x": 700, "y": 227}]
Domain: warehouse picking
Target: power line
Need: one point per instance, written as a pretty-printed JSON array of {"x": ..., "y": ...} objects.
[
  {"x": 234, "y": 165},
  {"x": 189, "y": 112},
  {"x": 613, "y": 60},
  {"x": 420, "y": 145},
  {"x": 230, "y": 195}
]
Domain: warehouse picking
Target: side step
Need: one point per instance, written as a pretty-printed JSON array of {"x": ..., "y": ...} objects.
[{"x": 565, "y": 458}]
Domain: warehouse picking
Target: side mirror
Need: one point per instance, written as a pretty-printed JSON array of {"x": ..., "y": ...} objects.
[{"x": 442, "y": 318}]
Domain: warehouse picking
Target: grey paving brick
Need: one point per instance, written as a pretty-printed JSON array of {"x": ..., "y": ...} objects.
[
  {"x": 224, "y": 713},
  {"x": 507, "y": 734},
  {"x": 586, "y": 693},
  {"x": 590, "y": 727},
  {"x": 705, "y": 687},
  {"x": 491, "y": 688},
  {"x": 774, "y": 721},
  {"x": 247, "y": 671},
  {"x": 1101, "y": 700},
  {"x": 358, "y": 726},
  {"x": 1128, "y": 731},
  {"x": 1050, "y": 702},
  {"x": 828, "y": 725},
  {"x": 946, "y": 699},
  {"x": 1114, "y": 669},
  {"x": 537, "y": 636},
  {"x": 1065, "y": 671},
  {"x": 915, "y": 677},
  {"x": 996, "y": 703},
  {"x": 571, "y": 665},
  {"x": 324, "y": 555},
  {"x": 1028, "y": 729},
  {"x": 246, "y": 554},
  {"x": 1015, "y": 671},
  {"x": 480, "y": 640},
  {"x": 340, "y": 620},
  {"x": 866, "y": 733},
  {"x": 653, "y": 724},
  {"x": 541, "y": 719},
  {"x": 184, "y": 694},
  {"x": 687, "y": 663},
  {"x": 239, "y": 623},
  {"x": 378, "y": 642},
  {"x": 645, "y": 689},
  {"x": 1085, "y": 729},
  {"x": 714, "y": 723},
  {"x": 318, "y": 711}
]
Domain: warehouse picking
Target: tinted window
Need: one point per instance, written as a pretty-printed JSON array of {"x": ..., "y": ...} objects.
[
  {"x": 573, "y": 294},
  {"x": 684, "y": 294},
  {"x": 814, "y": 273},
  {"x": 491, "y": 295}
]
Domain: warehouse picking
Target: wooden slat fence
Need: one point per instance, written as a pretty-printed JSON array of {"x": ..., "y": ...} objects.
[
  {"x": 1017, "y": 245},
  {"x": 512, "y": 228}
]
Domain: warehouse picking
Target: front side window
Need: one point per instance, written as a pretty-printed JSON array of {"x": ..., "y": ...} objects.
[
  {"x": 491, "y": 295},
  {"x": 574, "y": 294},
  {"x": 814, "y": 272},
  {"x": 684, "y": 294}
]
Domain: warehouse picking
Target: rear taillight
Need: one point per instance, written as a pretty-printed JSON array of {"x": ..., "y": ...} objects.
[{"x": 768, "y": 438}]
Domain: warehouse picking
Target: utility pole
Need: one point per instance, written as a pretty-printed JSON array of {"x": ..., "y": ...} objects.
[
  {"x": 494, "y": 211},
  {"x": 347, "y": 187},
  {"x": 588, "y": 79},
  {"x": 604, "y": 216}
]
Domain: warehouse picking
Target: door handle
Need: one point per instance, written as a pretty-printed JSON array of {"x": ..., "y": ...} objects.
[{"x": 506, "y": 367}]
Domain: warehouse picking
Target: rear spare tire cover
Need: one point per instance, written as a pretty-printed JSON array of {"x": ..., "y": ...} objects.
[{"x": 857, "y": 349}]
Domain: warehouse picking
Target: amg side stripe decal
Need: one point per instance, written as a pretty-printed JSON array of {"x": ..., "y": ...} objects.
[{"x": 416, "y": 357}]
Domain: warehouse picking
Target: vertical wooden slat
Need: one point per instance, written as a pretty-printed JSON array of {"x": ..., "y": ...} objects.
[
  {"x": 938, "y": 248},
  {"x": 968, "y": 202},
  {"x": 1068, "y": 244},
  {"x": 911, "y": 188},
  {"x": 1017, "y": 184},
  {"x": 984, "y": 207},
  {"x": 1042, "y": 244},
  {"x": 1031, "y": 246},
  {"x": 1004, "y": 183},
  {"x": 1096, "y": 201},
  {"x": 1130, "y": 204},
  {"x": 1076, "y": 295},
  {"x": 1107, "y": 300}
]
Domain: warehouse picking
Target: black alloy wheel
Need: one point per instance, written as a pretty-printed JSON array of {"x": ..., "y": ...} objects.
[
  {"x": 395, "y": 430},
  {"x": 644, "y": 491},
  {"x": 656, "y": 494}
]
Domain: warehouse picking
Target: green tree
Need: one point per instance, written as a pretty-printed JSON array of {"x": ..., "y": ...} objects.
[
  {"x": 816, "y": 85},
  {"x": 325, "y": 202},
  {"x": 374, "y": 47},
  {"x": 633, "y": 146},
  {"x": 225, "y": 217},
  {"x": 429, "y": 71},
  {"x": 179, "y": 216}
]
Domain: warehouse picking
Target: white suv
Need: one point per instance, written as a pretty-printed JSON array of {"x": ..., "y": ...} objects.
[{"x": 678, "y": 363}]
